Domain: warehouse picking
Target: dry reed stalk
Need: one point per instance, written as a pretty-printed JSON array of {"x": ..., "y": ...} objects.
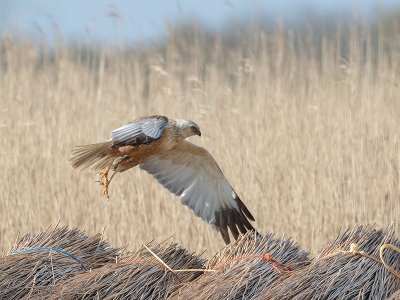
[
  {"x": 25, "y": 274},
  {"x": 136, "y": 276},
  {"x": 244, "y": 277},
  {"x": 341, "y": 272}
]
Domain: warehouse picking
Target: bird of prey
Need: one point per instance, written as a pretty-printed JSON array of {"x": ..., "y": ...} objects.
[{"x": 157, "y": 144}]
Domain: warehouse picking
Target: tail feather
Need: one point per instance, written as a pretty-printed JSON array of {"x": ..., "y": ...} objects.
[{"x": 93, "y": 156}]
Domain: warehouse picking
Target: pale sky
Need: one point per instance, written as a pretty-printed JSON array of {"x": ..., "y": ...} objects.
[{"x": 147, "y": 19}]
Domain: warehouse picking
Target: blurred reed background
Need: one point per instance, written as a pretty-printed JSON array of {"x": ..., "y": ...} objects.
[{"x": 304, "y": 123}]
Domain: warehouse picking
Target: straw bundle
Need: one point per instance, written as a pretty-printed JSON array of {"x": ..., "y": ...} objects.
[
  {"x": 340, "y": 271},
  {"x": 25, "y": 274},
  {"x": 244, "y": 276},
  {"x": 137, "y": 276}
]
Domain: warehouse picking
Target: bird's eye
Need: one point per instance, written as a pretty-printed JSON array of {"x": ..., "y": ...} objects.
[{"x": 192, "y": 127}]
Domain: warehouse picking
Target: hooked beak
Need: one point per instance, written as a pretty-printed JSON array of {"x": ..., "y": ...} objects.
[{"x": 198, "y": 133}]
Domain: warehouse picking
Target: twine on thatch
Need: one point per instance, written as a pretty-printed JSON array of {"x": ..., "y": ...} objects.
[
  {"x": 239, "y": 270},
  {"x": 353, "y": 250},
  {"x": 267, "y": 257},
  {"x": 383, "y": 247},
  {"x": 54, "y": 249},
  {"x": 354, "y": 266},
  {"x": 26, "y": 274},
  {"x": 135, "y": 276}
]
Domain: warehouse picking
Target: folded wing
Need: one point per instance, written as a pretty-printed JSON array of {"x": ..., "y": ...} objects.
[
  {"x": 191, "y": 172},
  {"x": 141, "y": 131}
]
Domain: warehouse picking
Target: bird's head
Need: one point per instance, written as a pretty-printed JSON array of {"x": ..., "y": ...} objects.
[{"x": 188, "y": 128}]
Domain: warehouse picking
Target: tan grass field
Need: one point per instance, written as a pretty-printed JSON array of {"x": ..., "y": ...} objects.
[{"x": 309, "y": 142}]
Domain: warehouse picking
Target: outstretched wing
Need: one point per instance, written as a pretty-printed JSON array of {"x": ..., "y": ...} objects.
[
  {"x": 141, "y": 131},
  {"x": 191, "y": 172}
]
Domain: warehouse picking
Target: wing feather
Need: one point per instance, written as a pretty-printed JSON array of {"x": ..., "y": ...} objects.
[
  {"x": 141, "y": 131},
  {"x": 191, "y": 172}
]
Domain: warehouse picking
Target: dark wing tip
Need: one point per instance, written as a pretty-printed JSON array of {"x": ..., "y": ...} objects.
[
  {"x": 243, "y": 208},
  {"x": 220, "y": 223},
  {"x": 234, "y": 219}
]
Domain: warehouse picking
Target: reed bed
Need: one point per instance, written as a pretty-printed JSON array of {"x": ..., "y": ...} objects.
[{"x": 305, "y": 129}]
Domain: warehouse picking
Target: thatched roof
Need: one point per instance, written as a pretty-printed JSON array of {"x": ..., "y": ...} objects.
[
  {"x": 136, "y": 276},
  {"x": 340, "y": 272},
  {"x": 350, "y": 267},
  {"x": 24, "y": 274},
  {"x": 244, "y": 277}
]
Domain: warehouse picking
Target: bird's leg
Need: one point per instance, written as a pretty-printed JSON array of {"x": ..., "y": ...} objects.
[
  {"x": 105, "y": 182},
  {"x": 120, "y": 166}
]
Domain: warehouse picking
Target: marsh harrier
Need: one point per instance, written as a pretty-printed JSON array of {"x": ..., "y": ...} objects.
[{"x": 157, "y": 144}]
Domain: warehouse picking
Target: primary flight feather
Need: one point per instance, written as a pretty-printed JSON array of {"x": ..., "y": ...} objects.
[{"x": 157, "y": 144}]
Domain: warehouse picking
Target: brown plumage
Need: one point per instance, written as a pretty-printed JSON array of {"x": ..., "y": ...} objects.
[{"x": 157, "y": 144}]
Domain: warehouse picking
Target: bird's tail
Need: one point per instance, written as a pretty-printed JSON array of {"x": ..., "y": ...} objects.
[{"x": 93, "y": 156}]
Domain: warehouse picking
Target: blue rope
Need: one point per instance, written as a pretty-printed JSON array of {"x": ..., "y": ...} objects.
[{"x": 55, "y": 249}]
